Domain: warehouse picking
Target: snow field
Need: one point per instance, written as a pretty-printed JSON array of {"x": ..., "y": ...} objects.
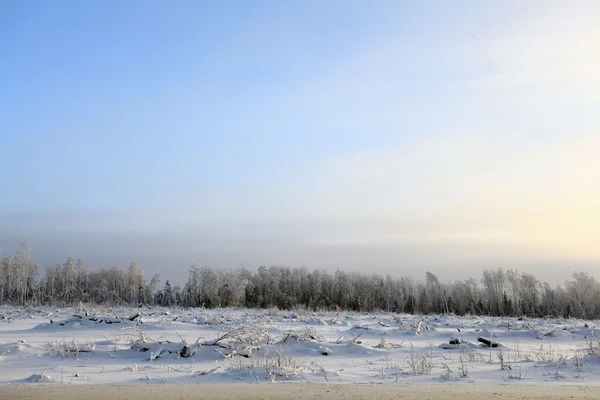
[{"x": 155, "y": 345}]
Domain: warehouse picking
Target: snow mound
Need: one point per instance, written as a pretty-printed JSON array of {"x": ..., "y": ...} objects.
[
  {"x": 37, "y": 378},
  {"x": 84, "y": 320}
]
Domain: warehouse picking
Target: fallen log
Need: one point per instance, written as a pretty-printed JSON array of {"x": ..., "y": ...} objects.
[
  {"x": 487, "y": 342},
  {"x": 455, "y": 340}
]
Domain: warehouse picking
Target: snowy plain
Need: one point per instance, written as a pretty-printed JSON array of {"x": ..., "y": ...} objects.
[{"x": 101, "y": 345}]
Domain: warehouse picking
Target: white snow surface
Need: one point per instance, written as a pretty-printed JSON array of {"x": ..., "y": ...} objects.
[{"x": 105, "y": 347}]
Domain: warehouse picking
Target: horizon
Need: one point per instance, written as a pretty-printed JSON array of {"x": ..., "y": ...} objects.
[{"x": 382, "y": 137}]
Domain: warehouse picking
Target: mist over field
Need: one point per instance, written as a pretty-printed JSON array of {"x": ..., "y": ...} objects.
[{"x": 170, "y": 254}]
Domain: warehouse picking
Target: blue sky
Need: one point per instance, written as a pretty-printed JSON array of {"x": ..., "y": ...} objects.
[{"x": 384, "y": 135}]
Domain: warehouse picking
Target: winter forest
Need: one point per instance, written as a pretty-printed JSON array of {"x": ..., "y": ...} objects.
[{"x": 498, "y": 292}]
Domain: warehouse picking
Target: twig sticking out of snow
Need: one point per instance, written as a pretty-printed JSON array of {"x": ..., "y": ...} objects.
[
  {"x": 418, "y": 331},
  {"x": 245, "y": 335},
  {"x": 206, "y": 371},
  {"x": 82, "y": 307},
  {"x": 305, "y": 335}
]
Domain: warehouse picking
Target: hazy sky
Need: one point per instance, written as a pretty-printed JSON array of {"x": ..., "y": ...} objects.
[{"x": 377, "y": 136}]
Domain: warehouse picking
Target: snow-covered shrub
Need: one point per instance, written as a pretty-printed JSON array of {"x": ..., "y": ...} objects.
[
  {"x": 275, "y": 365},
  {"x": 421, "y": 362},
  {"x": 71, "y": 348},
  {"x": 550, "y": 355},
  {"x": 592, "y": 345}
]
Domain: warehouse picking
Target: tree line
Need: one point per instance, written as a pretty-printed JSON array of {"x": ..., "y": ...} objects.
[{"x": 499, "y": 292}]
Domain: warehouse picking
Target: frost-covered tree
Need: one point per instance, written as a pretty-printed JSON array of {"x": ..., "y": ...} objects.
[
  {"x": 501, "y": 292},
  {"x": 20, "y": 275},
  {"x": 438, "y": 296},
  {"x": 584, "y": 294}
]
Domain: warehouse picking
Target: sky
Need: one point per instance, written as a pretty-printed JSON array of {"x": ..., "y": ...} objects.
[{"x": 381, "y": 137}]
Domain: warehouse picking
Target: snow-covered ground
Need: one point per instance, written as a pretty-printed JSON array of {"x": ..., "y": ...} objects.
[{"x": 245, "y": 345}]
